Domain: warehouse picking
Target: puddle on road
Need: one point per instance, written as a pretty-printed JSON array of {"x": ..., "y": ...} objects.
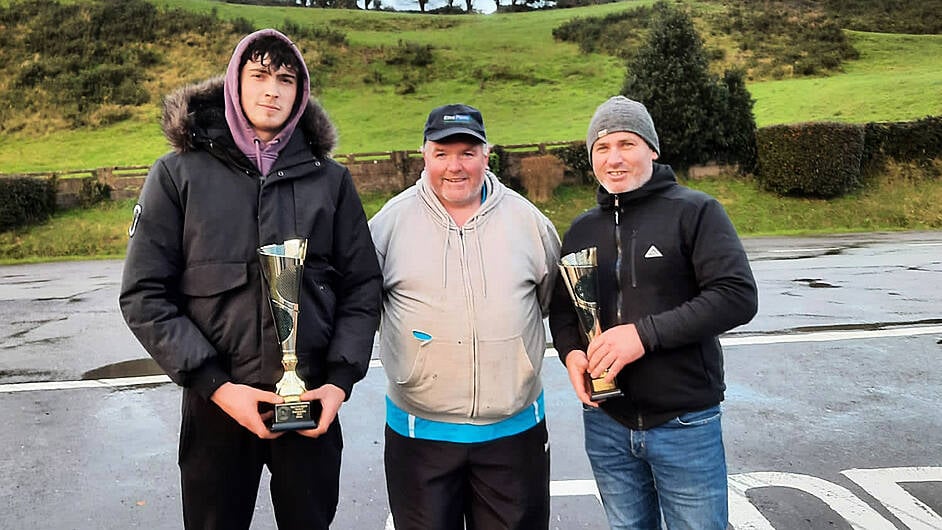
[
  {"x": 816, "y": 283},
  {"x": 786, "y": 254},
  {"x": 25, "y": 375},
  {"x": 869, "y": 326},
  {"x": 132, "y": 368}
]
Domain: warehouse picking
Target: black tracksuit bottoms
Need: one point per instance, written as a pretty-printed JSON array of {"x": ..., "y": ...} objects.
[
  {"x": 502, "y": 484},
  {"x": 221, "y": 464}
]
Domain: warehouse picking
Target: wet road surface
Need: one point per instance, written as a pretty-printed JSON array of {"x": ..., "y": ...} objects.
[{"x": 832, "y": 417}]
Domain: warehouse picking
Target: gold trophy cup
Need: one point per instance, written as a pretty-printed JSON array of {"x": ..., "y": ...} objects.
[
  {"x": 282, "y": 266},
  {"x": 579, "y": 274}
]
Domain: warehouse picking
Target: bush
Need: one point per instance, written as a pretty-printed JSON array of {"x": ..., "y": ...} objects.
[
  {"x": 615, "y": 34},
  {"x": 25, "y": 201},
  {"x": 811, "y": 159},
  {"x": 917, "y": 141},
  {"x": 699, "y": 118},
  {"x": 576, "y": 158}
]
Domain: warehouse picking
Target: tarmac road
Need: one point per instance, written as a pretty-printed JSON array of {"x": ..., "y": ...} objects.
[{"x": 831, "y": 419}]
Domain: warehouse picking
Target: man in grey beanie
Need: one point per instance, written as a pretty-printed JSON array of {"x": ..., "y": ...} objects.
[{"x": 672, "y": 276}]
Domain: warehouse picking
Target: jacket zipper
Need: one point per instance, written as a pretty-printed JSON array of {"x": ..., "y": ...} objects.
[
  {"x": 469, "y": 296},
  {"x": 634, "y": 282},
  {"x": 618, "y": 264}
]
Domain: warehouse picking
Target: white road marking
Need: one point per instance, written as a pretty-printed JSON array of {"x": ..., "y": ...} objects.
[
  {"x": 883, "y": 485},
  {"x": 743, "y": 515}
]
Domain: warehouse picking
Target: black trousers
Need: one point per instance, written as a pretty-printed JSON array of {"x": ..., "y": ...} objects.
[
  {"x": 221, "y": 465},
  {"x": 501, "y": 484}
]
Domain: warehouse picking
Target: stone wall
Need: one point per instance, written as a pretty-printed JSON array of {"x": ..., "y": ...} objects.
[{"x": 531, "y": 167}]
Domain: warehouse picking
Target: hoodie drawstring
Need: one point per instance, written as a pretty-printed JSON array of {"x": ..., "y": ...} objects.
[
  {"x": 477, "y": 237},
  {"x": 258, "y": 155},
  {"x": 445, "y": 257}
]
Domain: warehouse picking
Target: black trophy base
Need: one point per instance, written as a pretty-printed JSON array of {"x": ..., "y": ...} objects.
[
  {"x": 292, "y": 417},
  {"x": 599, "y": 390}
]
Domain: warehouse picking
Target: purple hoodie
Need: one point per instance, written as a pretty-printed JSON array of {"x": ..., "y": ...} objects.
[{"x": 261, "y": 153}]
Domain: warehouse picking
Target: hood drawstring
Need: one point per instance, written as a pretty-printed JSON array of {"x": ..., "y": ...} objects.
[
  {"x": 258, "y": 155},
  {"x": 477, "y": 237},
  {"x": 445, "y": 257},
  {"x": 448, "y": 225}
]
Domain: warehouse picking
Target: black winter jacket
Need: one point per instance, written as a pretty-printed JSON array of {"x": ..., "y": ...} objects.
[
  {"x": 192, "y": 290},
  {"x": 670, "y": 262}
]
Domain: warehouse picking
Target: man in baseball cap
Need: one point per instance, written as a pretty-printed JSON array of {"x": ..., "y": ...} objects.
[
  {"x": 450, "y": 120},
  {"x": 468, "y": 266}
]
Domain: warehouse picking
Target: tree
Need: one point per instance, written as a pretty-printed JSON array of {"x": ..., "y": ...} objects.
[{"x": 698, "y": 117}]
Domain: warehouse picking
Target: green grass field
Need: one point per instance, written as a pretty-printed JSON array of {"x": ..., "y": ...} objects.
[{"x": 530, "y": 87}]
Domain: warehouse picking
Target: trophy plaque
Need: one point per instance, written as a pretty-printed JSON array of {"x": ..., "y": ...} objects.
[
  {"x": 579, "y": 274},
  {"x": 282, "y": 265}
]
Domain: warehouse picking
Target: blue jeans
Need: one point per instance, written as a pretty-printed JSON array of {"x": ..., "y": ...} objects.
[{"x": 676, "y": 470}]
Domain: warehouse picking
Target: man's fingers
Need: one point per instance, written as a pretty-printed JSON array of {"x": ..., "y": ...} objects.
[
  {"x": 260, "y": 429},
  {"x": 263, "y": 396},
  {"x": 311, "y": 433}
]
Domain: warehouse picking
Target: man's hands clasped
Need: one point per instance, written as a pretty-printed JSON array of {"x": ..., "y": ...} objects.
[{"x": 241, "y": 403}]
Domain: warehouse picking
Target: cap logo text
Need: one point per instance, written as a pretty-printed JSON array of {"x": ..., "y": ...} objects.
[{"x": 460, "y": 118}]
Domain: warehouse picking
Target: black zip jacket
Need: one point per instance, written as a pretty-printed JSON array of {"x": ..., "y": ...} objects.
[
  {"x": 192, "y": 290},
  {"x": 670, "y": 262}
]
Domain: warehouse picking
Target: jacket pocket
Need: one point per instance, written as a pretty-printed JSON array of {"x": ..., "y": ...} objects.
[
  {"x": 316, "y": 310},
  {"x": 218, "y": 303},
  {"x": 506, "y": 378},
  {"x": 208, "y": 279}
]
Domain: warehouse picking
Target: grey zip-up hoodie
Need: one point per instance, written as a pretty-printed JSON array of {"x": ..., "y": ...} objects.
[{"x": 461, "y": 336}]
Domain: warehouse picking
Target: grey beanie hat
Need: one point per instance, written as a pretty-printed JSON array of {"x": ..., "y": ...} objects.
[{"x": 620, "y": 114}]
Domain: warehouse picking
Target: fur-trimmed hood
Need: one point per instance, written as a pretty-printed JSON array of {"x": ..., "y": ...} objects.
[{"x": 196, "y": 113}]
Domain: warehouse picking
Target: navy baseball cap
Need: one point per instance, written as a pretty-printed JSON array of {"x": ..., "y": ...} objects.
[{"x": 449, "y": 120}]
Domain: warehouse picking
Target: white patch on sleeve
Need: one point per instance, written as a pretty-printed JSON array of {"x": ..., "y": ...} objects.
[{"x": 136, "y": 219}]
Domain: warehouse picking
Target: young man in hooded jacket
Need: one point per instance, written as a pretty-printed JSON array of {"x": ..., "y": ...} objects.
[
  {"x": 672, "y": 276},
  {"x": 468, "y": 268},
  {"x": 251, "y": 167}
]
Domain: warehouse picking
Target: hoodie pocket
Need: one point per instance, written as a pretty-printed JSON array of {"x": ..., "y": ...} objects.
[
  {"x": 506, "y": 378},
  {"x": 430, "y": 372}
]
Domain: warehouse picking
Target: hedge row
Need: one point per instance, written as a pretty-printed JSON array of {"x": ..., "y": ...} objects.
[
  {"x": 26, "y": 200},
  {"x": 826, "y": 159}
]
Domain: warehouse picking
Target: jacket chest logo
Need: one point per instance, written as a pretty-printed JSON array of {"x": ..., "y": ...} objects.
[{"x": 653, "y": 252}]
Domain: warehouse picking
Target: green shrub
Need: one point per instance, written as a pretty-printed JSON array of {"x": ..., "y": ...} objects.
[
  {"x": 615, "y": 34},
  {"x": 917, "y": 141},
  {"x": 576, "y": 158},
  {"x": 699, "y": 118},
  {"x": 411, "y": 54},
  {"x": 25, "y": 200},
  {"x": 811, "y": 159},
  {"x": 888, "y": 16}
]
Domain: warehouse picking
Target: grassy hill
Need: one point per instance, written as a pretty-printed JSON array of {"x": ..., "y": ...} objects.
[{"x": 393, "y": 68}]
